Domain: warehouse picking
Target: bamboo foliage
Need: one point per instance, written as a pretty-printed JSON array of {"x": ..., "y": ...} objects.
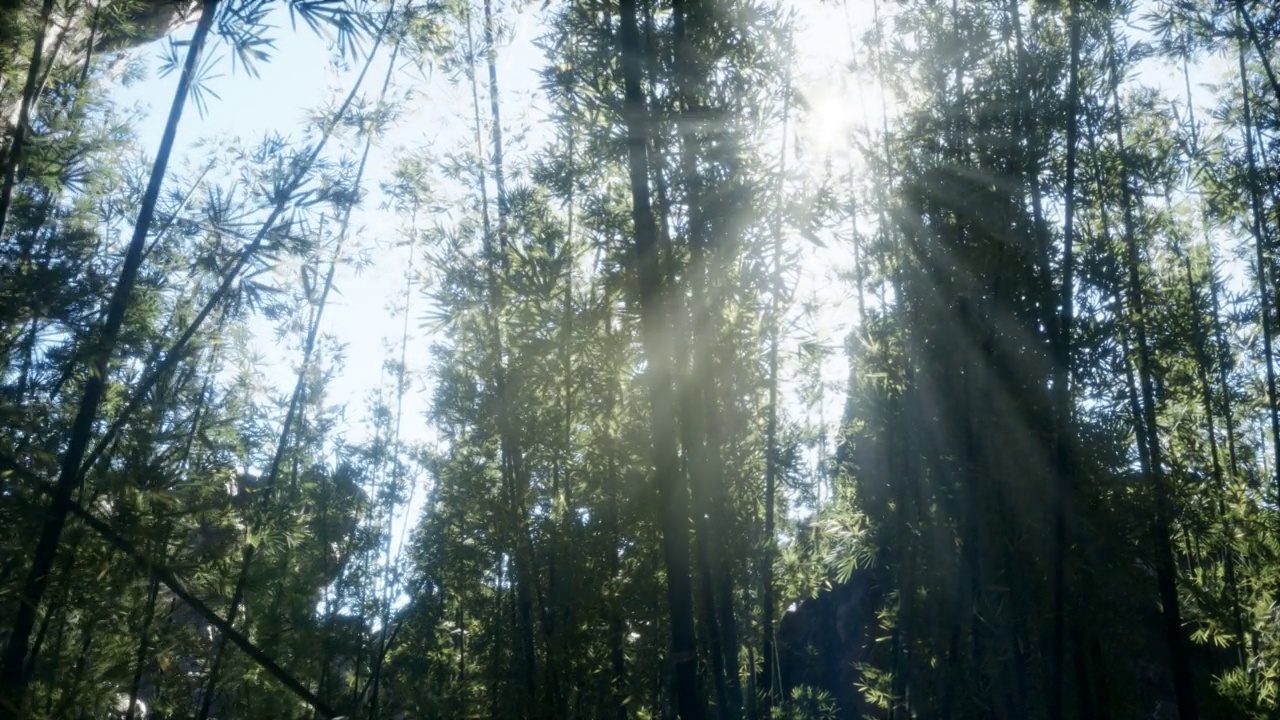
[{"x": 599, "y": 473}]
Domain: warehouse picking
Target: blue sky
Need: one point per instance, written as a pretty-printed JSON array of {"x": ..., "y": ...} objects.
[
  {"x": 300, "y": 75},
  {"x": 297, "y": 78}
]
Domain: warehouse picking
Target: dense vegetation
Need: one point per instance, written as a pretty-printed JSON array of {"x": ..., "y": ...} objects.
[{"x": 1051, "y": 494}]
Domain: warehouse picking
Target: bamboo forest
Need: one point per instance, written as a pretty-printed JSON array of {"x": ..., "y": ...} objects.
[{"x": 639, "y": 359}]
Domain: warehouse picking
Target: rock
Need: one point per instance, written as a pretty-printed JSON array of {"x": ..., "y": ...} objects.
[
  {"x": 822, "y": 638},
  {"x": 123, "y": 25},
  {"x": 120, "y": 707},
  {"x": 146, "y": 22}
]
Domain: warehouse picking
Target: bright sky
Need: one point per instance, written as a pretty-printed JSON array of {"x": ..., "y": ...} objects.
[
  {"x": 299, "y": 76},
  {"x": 361, "y": 316}
]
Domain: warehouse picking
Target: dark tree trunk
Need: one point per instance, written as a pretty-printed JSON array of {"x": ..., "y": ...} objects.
[
  {"x": 29, "y": 91},
  {"x": 674, "y": 519},
  {"x": 1264, "y": 261},
  {"x": 144, "y": 638},
  {"x": 1251, "y": 30},
  {"x": 12, "y": 676},
  {"x": 1166, "y": 570},
  {"x": 1062, "y": 381},
  {"x": 773, "y": 691}
]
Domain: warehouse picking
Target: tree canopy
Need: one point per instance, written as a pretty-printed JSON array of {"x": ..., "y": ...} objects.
[{"x": 938, "y": 381}]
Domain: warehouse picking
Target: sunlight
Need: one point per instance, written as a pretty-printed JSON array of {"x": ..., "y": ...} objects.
[
  {"x": 823, "y": 128},
  {"x": 568, "y": 361},
  {"x": 840, "y": 98}
]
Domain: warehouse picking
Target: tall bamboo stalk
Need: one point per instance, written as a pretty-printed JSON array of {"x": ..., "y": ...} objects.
[
  {"x": 1062, "y": 378},
  {"x": 1264, "y": 266},
  {"x": 12, "y": 677},
  {"x": 774, "y": 329},
  {"x": 18, "y": 142},
  {"x": 1147, "y": 431},
  {"x": 674, "y": 513}
]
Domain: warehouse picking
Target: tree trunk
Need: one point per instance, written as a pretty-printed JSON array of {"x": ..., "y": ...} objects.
[
  {"x": 673, "y": 493},
  {"x": 617, "y": 657},
  {"x": 768, "y": 557},
  {"x": 1251, "y": 30},
  {"x": 1264, "y": 260},
  {"x": 1166, "y": 570},
  {"x": 18, "y": 142},
  {"x": 712, "y": 506},
  {"x": 12, "y": 677},
  {"x": 1062, "y": 380},
  {"x": 144, "y": 637}
]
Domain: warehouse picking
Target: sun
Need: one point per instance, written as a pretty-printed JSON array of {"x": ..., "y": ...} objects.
[
  {"x": 825, "y": 123},
  {"x": 841, "y": 94}
]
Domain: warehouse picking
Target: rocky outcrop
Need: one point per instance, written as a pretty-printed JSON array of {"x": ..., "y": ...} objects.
[
  {"x": 145, "y": 22},
  {"x": 822, "y": 639},
  {"x": 121, "y": 25}
]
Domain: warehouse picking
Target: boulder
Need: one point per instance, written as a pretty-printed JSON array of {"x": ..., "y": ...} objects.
[{"x": 822, "y": 639}]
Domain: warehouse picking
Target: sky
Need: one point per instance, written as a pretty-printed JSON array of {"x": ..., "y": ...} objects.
[
  {"x": 365, "y": 312},
  {"x": 299, "y": 74},
  {"x": 361, "y": 315}
]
